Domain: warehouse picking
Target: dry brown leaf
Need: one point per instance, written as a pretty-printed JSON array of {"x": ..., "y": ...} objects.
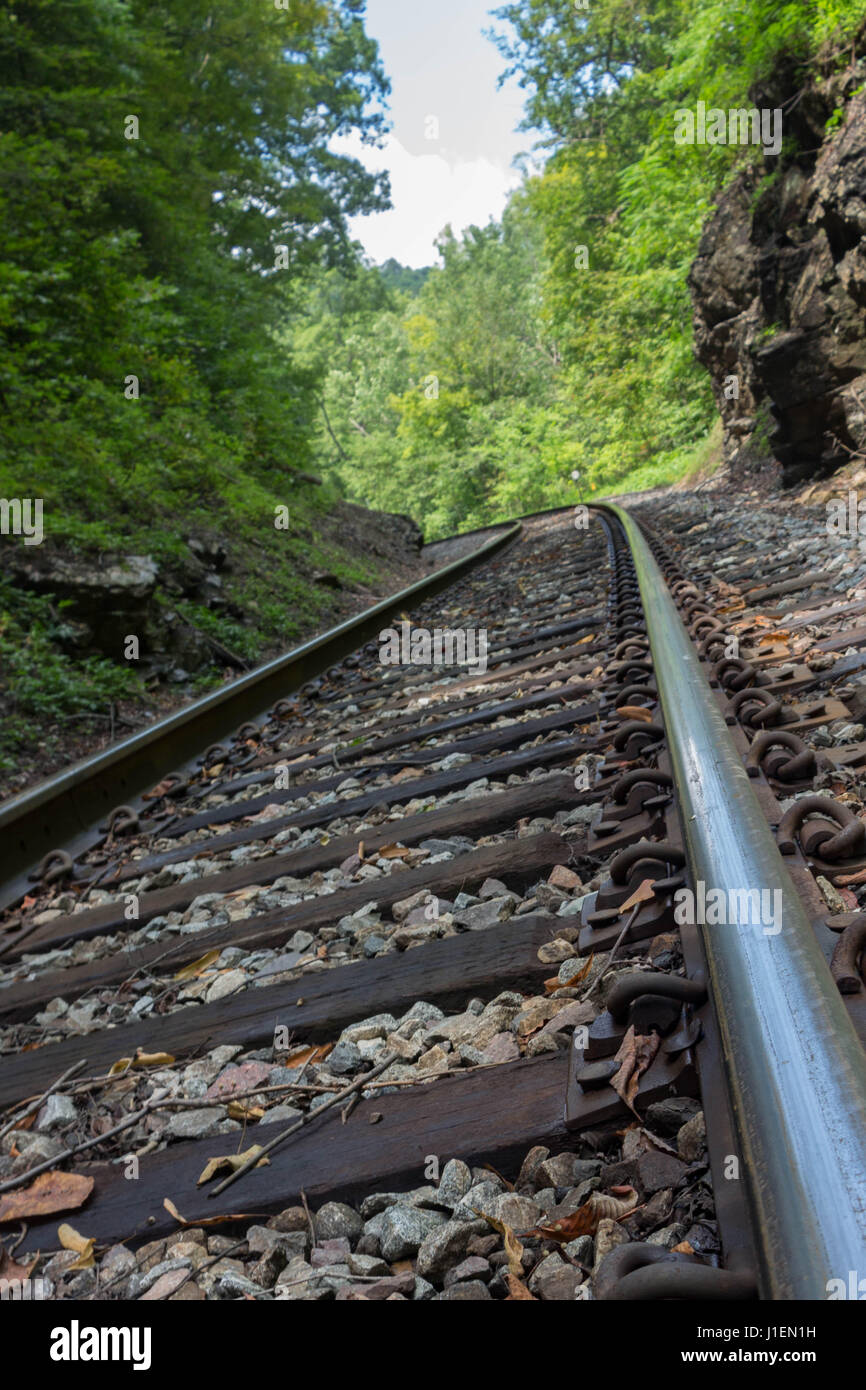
[
  {"x": 50, "y": 1192},
  {"x": 584, "y": 1222},
  {"x": 635, "y": 712},
  {"x": 141, "y": 1059},
  {"x": 393, "y": 852},
  {"x": 10, "y": 1269},
  {"x": 232, "y": 1162},
  {"x": 844, "y": 879},
  {"x": 83, "y": 1246},
  {"x": 239, "y": 1110},
  {"x": 555, "y": 983},
  {"x": 309, "y": 1054},
  {"x": 513, "y": 1247},
  {"x": 642, "y": 894},
  {"x": 635, "y": 1055},
  {"x": 360, "y": 850},
  {"x": 208, "y": 1220},
  {"x": 198, "y": 967},
  {"x": 683, "y": 1248},
  {"x": 517, "y": 1290}
]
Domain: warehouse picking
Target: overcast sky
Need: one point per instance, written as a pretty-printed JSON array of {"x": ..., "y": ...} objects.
[{"x": 442, "y": 70}]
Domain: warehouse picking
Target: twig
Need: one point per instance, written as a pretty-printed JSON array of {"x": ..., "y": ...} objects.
[
  {"x": 310, "y": 1222},
  {"x": 214, "y": 1260},
  {"x": 74, "y": 1149},
  {"x": 40, "y": 1100},
  {"x": 356, "y": 1085}
]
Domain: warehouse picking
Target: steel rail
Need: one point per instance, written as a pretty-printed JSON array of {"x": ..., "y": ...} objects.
[
  {"x": 795, "y": 1068},
  {"x": 64, "y": 811}
]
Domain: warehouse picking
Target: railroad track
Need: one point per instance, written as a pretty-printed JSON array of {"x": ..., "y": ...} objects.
[{"x": 536, "y": 977}]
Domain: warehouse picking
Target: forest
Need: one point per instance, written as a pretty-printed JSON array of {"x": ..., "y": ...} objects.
[{"x": 188, "y": 330}]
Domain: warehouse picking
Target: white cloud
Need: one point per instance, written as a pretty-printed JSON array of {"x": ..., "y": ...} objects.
[{"x": 428, "y": 192}]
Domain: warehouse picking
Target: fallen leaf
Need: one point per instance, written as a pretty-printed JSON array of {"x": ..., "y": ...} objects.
[
  {"x": 360, "y": 850},
  {"x": 393, "y": 852},
  {"x": 517, "y": 1290},
  {"x": 10, "y": 1269},
  {"x": 844, "y": 879},
  {"x": 141, "y": 1059},
  {"x": 555, "y": 983},
  {"x": 231, "y": 1161},
  {"x": 642, "y": 894},
  {"x": 683, "y": 1248},
  {"x": 27, "y": 902},
  {"x": 190, "y": 972},
  {"x": 598, "y": 1207},
  {"x": 50, "y": 1192},
  {"x": 239, "y": 1110},
  {"x": 635, "y": 712},
  {"x": 513, "y": 1247},
  {"x": 208, "y": 1220},
  {"x": 635, "y": 1055},
  {"x": 309, "y": 1054},
  {"x": 84, "y": 1246}
]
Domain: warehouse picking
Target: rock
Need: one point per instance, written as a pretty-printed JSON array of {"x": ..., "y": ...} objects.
[
  {"x": 291, "y": 1219},
  {"x": 502, "y": 1048},
  {"x": 224, "y": 985},
  {"x": 165, "y": 1285},
  {"x": 196, "y": 1124},
  {"x": 608, "y": 1236},
  {"x": 536, "y": 1013},
  {"x": 403, "y": 1284},
  {"x": 400, "y": 910},
  {"x": 446, "y": 1246},
  {"x": 473, "y": 1267},
  {"x": 262, "y": 1239},
  {"x": 404, "y": 1228},
  {"x": 336, "y": 1219},
  {"x": 777, "y": 290},
  {"x": 656, "y": 1170},
  {"x": 554, "y": 1280},
  {"x": 556, "y": 951},
  {"x": 470, "y": 1291},
  {"x": 240, "y": 1078},
  {"x": 559, "y": 1171},
  {"x": 454, "y": 1183},
  {"x": 561, "y": 877},
  {"x": 284, "y": 1114},
  {"x": 378, "y": 1026},
  {"x": 692, "y": 1139},
  {"x": 580, "y": 1249},
  {"x": 667, "y": 1117},
  {"x": 480, "y": 1197},
  {"x": 517, "y": 1212},
  {"x": 58, "y": 1110},
  {"x": 345, "y": 1058},
  {"x": 486, "y": 914},
  {"x": 527, "y": 1176}
]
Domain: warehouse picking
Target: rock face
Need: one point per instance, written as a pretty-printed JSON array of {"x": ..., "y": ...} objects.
[{"x": 779, "y": 287}]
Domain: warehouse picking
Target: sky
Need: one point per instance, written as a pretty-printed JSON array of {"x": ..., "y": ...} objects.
[{"x": 454, "y": 133}]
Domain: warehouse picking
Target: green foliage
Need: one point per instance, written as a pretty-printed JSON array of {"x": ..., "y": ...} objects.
[
  {"x": 42, "y": 680},
  {"x": 543, "y": 365}
]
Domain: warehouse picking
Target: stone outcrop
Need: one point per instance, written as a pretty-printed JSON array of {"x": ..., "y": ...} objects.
[{"x": 779, "y": 287}]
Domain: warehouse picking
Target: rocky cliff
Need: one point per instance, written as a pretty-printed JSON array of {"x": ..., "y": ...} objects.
[{"x": 779, "y": 283}]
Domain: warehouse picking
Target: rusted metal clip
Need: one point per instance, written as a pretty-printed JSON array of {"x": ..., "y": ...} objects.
[
  {"x": 638, "y": 1272},
  {"x": 797, "y": 764},
  {"x": 839, "y": 834}
]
